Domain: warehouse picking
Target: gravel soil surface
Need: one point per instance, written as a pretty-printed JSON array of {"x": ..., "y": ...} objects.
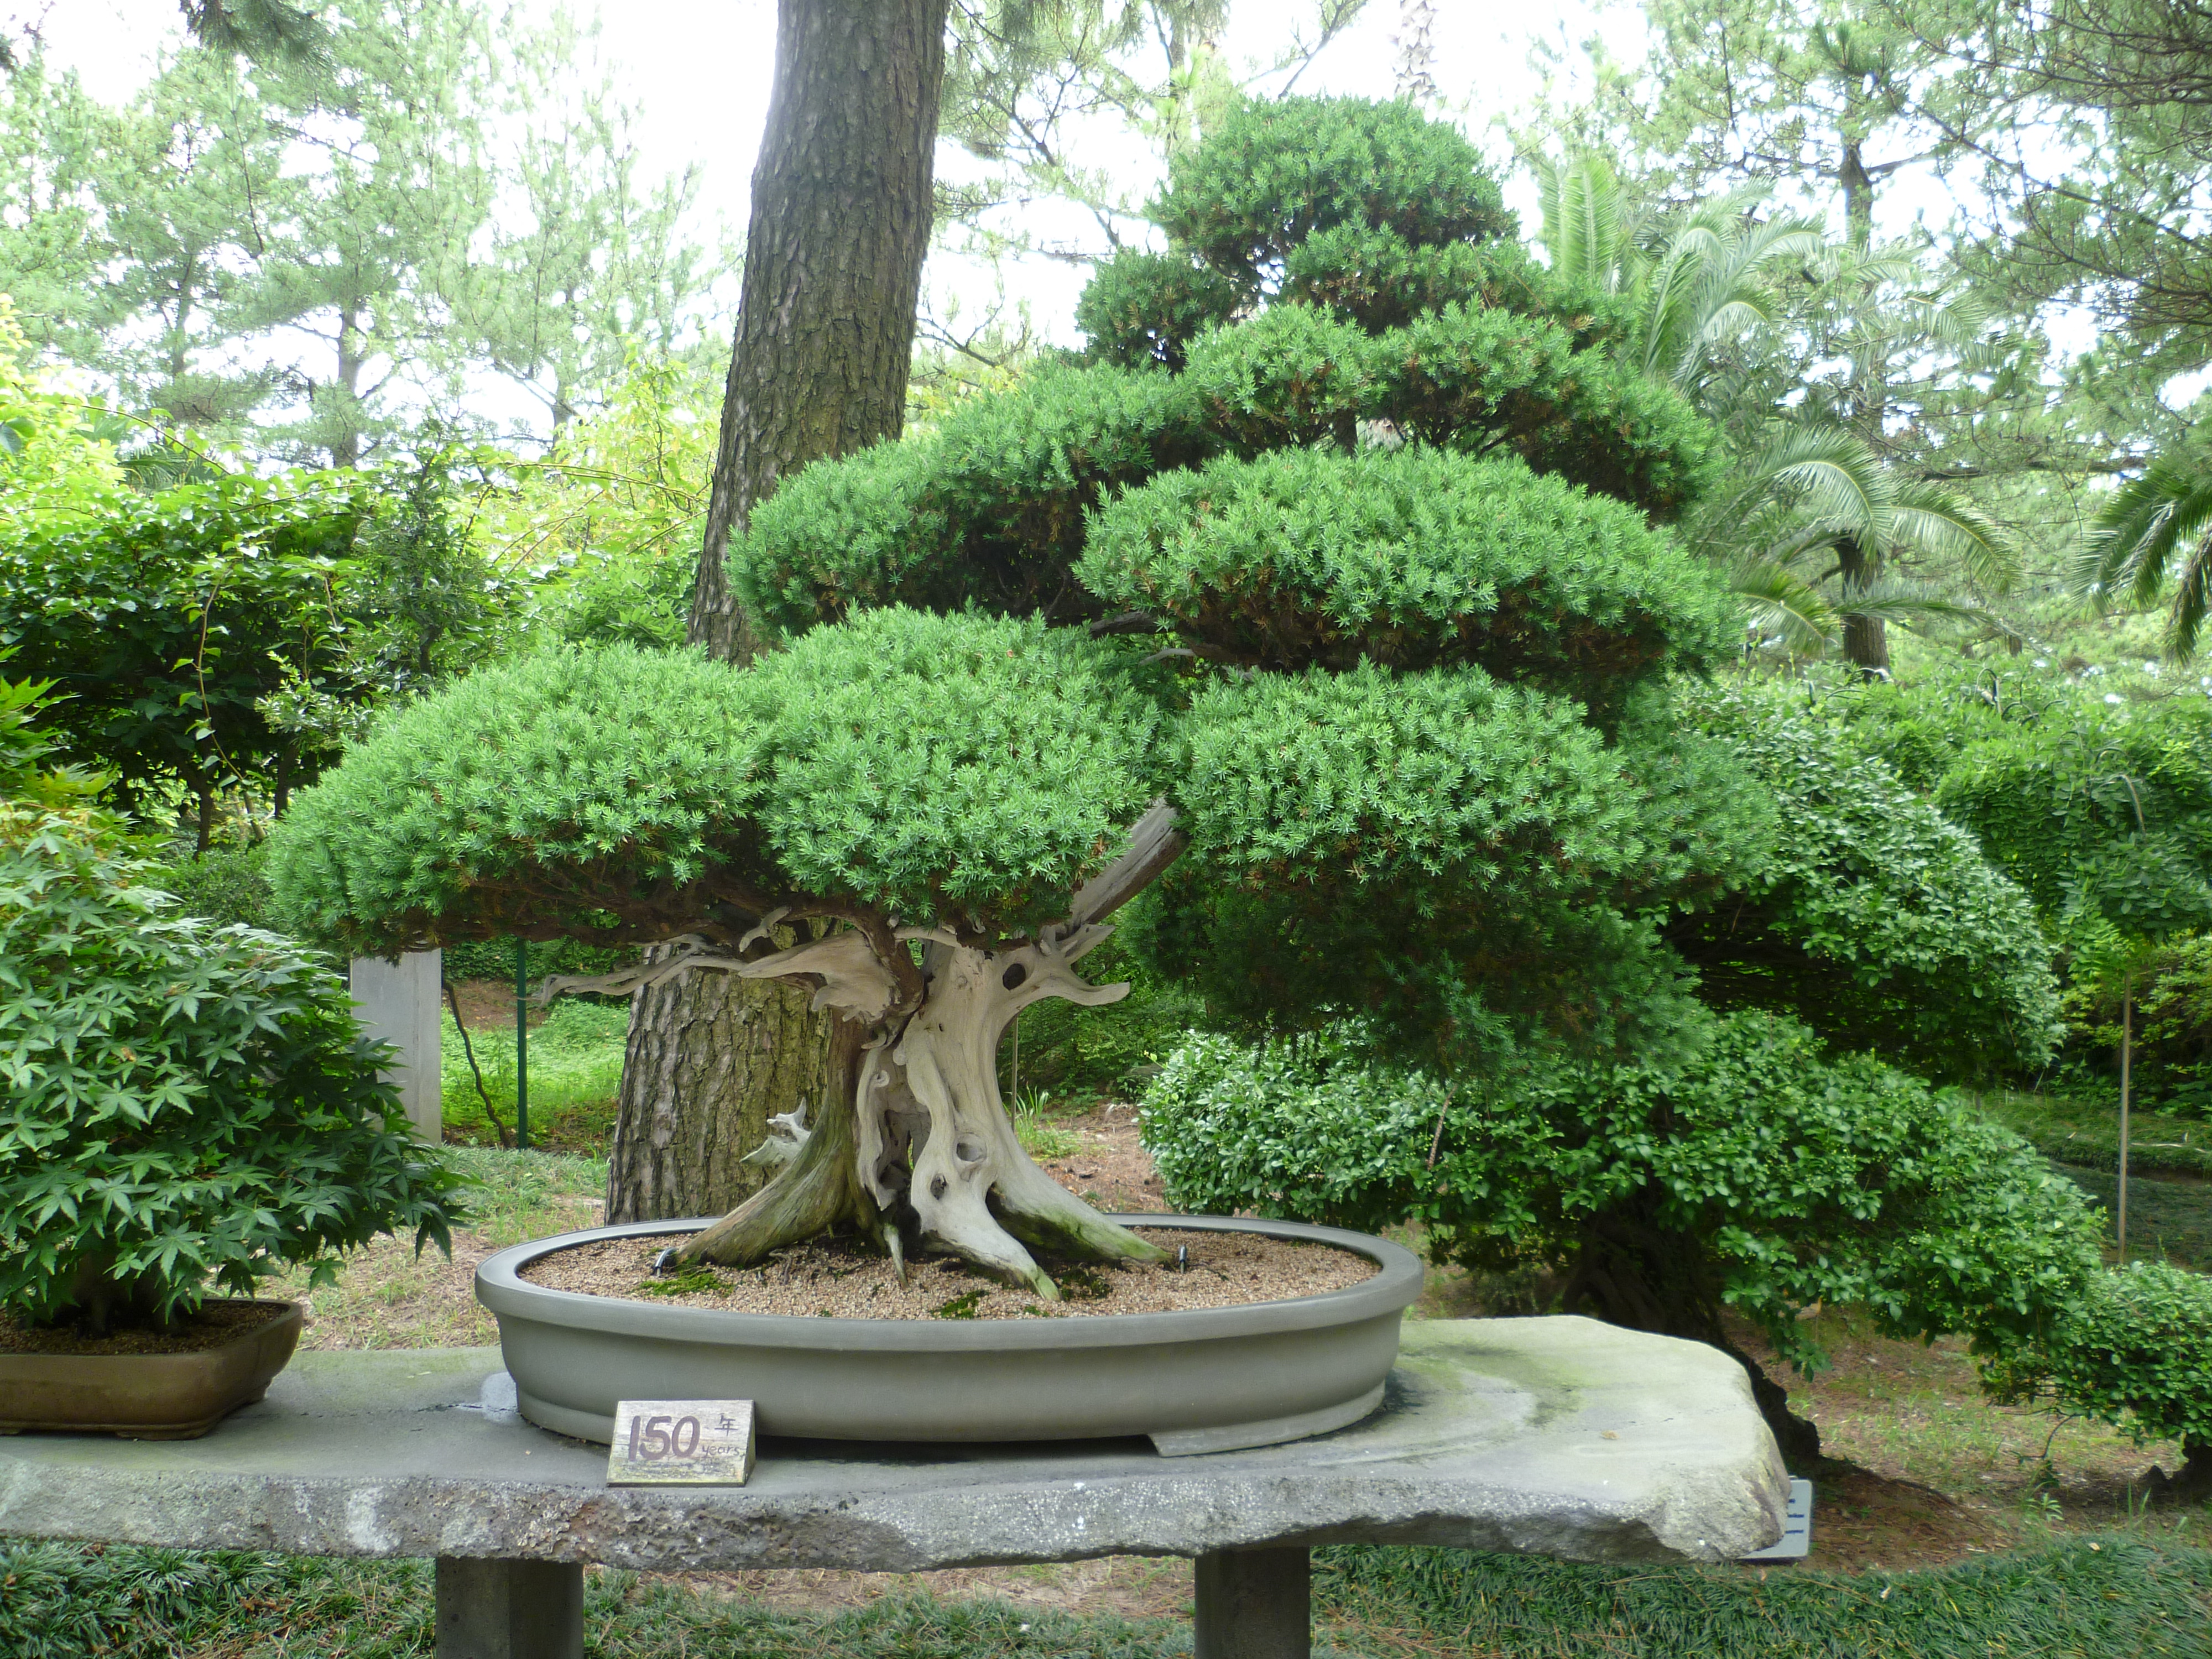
[
  {"x": 840, "y": 1282},
  {"x": 215, "y": 1324}
]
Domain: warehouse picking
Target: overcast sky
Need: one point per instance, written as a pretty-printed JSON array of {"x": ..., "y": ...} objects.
[{"x": 699, "y": 69}]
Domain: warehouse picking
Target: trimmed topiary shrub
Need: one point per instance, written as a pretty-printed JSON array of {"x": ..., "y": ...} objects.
[
  {"x": 1877, "y": 921},
  {"x": 1358, "y": 767},
  {"x": 2134, "y": 1350},
  {"x": 188, "y": 1106},
  {"x": 1766, "y": 1176}
]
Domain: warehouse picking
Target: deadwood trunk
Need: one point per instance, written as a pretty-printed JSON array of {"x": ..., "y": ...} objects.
[{"x": 839, "y": 228}]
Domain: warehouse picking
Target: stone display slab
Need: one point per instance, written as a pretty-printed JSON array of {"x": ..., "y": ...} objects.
[{"x": 1558, "y": 1437}]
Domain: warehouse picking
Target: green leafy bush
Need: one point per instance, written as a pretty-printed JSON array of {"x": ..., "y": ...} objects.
[
  {"x": 227, "y": 886},
  {"x": 1458, "y": 814},
  {"x": 1766, "y": 1175},
  {"x": 165, "y": 621},
  {"x": 2051, "y": 800},
  {"x": 1877, "y": 921},
  {"x": 2134, "y": 1350},
  {"x": 187, "y": 1105}
]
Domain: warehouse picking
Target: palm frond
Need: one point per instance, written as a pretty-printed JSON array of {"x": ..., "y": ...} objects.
[
  {"x": 1581, "y": 204},
  {"x": 1939, "y": 523},
  {"x": 2131, "y": 545},
  {"x": 1777, "y": 601},
  {"x": 1828, "y": 473}
]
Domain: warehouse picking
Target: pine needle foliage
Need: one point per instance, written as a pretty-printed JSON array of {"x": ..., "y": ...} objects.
[
  {"x": 1374, "y": 601},
  {"x": 1390, "y": 302},
  {"x": 1409, "y": 559}
]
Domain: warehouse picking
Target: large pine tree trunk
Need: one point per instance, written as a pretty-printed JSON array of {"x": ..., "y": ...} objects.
[{"x": 839, "y": 228}]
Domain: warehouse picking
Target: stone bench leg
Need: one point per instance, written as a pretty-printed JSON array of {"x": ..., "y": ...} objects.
[
  {"x": 510, "y": 1609},
  {"x": 1254, "y": 1604}
]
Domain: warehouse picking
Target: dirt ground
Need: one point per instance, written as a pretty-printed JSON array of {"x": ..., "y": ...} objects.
[
  {"x": 1923, "y": 1472},
  {"x": 488, "y": 1004}
]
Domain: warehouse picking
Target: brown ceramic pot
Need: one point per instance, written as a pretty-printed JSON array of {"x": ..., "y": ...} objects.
[{"x": 145, "y": 1396}]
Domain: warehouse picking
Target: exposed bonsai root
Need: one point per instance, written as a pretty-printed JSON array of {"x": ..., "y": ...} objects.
[
  {"x": 816, "y": 1188},
  {"x": 926, "y": 1148}
]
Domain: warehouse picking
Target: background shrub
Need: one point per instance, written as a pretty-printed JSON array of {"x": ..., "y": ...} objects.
[
  {"x": 2134, "y": 1350},
  {"x": 1765, "y": 1176}
]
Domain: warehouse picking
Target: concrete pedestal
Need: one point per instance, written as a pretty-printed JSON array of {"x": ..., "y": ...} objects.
[
  {"x": 400, "y": 1003},
  {"x": 1544, "y": 1436},
  {"x": 1254, "y": 1604},
  {"x": 509, "y": 1609}
]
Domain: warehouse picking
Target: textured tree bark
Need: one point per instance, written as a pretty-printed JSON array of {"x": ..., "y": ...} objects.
[
  {"x": 839, "y": 224},
  {"x": 838, "y": 231},
  {"x": 1866, "y": 639},
  {"x": 710, "y": 1059}
]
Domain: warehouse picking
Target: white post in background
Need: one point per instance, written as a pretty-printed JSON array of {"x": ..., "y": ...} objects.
[{"x": 398, "y": 1003}]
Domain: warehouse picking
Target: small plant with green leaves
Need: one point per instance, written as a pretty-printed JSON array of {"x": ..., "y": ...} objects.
[
  {"x": 190, "y": 1107},
  {"x": 2134, "y": 1350}
]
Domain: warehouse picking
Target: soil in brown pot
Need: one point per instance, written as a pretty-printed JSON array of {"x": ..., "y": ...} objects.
[
  {"x": 838, "y": 1279},
  {"x": 215, "y": 1323}
]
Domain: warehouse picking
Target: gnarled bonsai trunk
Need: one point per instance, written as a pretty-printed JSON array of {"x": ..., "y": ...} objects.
[{"x": 925, "y": 1153}]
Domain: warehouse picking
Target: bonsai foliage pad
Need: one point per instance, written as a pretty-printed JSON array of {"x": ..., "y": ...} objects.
[{"x": 146, "y": 1396}]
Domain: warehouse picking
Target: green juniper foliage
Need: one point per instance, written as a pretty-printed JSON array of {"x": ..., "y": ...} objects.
[
  {"x": 187, "y": 1106},
  {"x": 1455, "y": 759},
  {"x": 1376, "y": 608}
]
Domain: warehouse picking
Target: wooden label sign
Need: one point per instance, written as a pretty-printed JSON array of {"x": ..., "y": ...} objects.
[{"x": 681, "y": 1442}]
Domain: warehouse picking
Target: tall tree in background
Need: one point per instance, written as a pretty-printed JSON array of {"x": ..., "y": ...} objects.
[
  {"x": 187, "y": 179},
  {"x": 590, "y": 263},
  {"x": 288, "y": 249},
  {"x": 839, "y": 222},
  {"x": 2086, "y": 119},
  {"x": 1775, "y": 333},
  {"x": 379, "y": 223}
]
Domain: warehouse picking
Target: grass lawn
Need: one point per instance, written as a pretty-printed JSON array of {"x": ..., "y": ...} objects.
[
  {"x": 575, "y": 1061},
  {"x": 2087, "y": 1132},
  {"x": 1946, "y": 1527},
  {"x": 2114, "y": 1597}
]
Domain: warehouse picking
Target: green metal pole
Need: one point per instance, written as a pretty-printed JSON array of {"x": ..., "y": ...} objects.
[{"x": 522, "y": 1045}]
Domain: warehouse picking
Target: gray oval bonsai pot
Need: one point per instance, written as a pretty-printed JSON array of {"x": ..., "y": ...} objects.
[{"x": 1197, "y": 1380}]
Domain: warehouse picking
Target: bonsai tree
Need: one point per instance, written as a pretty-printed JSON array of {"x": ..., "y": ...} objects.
[
  {"x": 188, "y": 1106},
  {"x": 1327, "y": 587}
]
